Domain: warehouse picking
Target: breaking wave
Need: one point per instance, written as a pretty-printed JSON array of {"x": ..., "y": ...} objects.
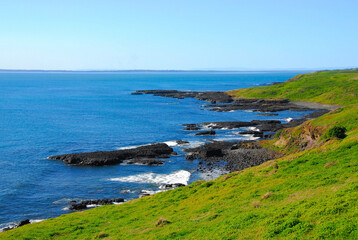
[{"x": 180, "y": 176}]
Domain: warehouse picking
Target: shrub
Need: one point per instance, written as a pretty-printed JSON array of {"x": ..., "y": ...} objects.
[
  {"x": 337, "y": 132},
  {"x": 161, "y": 222}
]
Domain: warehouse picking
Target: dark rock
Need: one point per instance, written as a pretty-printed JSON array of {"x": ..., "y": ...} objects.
[
  {"x": 211, "y": 132},
  {"x": 9, "y": 228},
  {"x": 153, "y": 151},
  {"x": 171, "y": 186},
  {"x": 236, "y": 155},
  {"x": 181, "y": 142},
  {"x": 192, "y": 129},
  {"x": 254, "y": 133},
  {"x": 83, "y": 204},
  {"x": 227, "y": 125},
  {"x": 258, "y": 105},
  {"x": 267, "y": 114},
  {"x": 147, "y": 162},
  {"x": 23, "y": 222},
  {"x": 212, "y": 97}
]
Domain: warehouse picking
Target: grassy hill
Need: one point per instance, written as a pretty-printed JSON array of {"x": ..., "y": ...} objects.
[
  {"x": 330, "y": 87},
  {"x": 310, "y": 193}
]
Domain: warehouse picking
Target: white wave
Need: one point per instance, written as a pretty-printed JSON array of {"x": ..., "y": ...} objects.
[
  {"x": 209, "y": 125},
  {"x": 251, "y": 137},
  {"x": 129, "y": 147},
  {"x": 232, "y": 111},
  {"x": 180, "y": 176},
  {"x": 288, "y": 119},
  {"x": 171, "y": 143},
  {"x": 15, "y": 224},
  {"x": 248, "y": 111},
  {"x": 194, "y": 144},
  {"x": 92, "y": 205},
  {"x": 253, "y": 129},
  {"x": 144, "y": 193},
  {"x": 6, "y": 225},
  {"x": 36, "y": 220},
  {"x": 126, "y": 191}
]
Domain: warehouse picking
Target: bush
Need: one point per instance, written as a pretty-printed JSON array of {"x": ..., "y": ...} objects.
[{"x": 336, "y": 131}]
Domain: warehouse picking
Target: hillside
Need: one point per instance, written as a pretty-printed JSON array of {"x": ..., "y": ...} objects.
[
  {"x": 329, "y": 87},
  {"x": 311, "y": 192}
]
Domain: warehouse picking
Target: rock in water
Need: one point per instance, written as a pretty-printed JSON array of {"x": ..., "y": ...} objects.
[
  {"x": 136, "y": 155},
  {"x": 23, "y": 222},
  {"x": 210, "y": 132},
  {"x": 83, "y": 204}
]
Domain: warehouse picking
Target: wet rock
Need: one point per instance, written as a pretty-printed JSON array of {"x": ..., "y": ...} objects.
[
  {"x": 210, "y": 96},
  {"x": 9, "y": 228},
  {"x": 254, "y": 133},
  {"x": 23, "y": 222},
  {"x": 191, "y": 128},
  {"x": 135, "y": 155},
  {"x": 235, "y": 155},
  {"x": 211, "y": 132},
  {"x": 84, "y": 204},
  {"x": 182, "y": 142},
  {"x": 13, "y": 226},
  {"x": 227, "y": 125},
  {"x": 147, "y": 162},
  {"x": 171, "y": 186}
]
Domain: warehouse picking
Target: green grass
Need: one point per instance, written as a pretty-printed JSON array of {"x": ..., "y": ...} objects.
[
  {"x": 330, "y": 87},
  {"x": 307, "y": 194}
]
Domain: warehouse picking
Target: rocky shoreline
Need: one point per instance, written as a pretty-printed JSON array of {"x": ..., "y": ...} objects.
[
  {"x": 243, "y": 154},
  {"x": 145, "y": 155},
  {"x": 227, "y": 155},
  {"x": 235, "y": 155},
  {"x": 230, "y": 104}
]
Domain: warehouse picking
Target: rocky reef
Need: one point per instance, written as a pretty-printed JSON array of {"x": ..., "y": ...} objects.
[
  {"x": 94, "y": 202},
  {"x": 258, "y": 105},
  {"x": 236, "y": 155},
  {"x": 146, "y": 155}
]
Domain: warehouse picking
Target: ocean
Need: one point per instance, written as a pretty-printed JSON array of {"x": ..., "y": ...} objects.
[{"x": 48, "y": 113}]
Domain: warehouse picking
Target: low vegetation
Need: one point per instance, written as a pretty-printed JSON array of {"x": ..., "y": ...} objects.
[
  {"x": 310, "y": 193},
  {"x": 330, "y": 87}
]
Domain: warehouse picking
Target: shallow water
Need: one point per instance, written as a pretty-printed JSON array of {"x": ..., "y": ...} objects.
[{"x": 43, "y": 114}]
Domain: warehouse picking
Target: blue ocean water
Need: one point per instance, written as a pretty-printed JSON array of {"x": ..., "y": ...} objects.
[{"x": 43, "y": 114}]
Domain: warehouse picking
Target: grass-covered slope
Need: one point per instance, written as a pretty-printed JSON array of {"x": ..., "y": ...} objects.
[
  {"x": 311, "y": 193},
  {"x": 330, "y": 87}
]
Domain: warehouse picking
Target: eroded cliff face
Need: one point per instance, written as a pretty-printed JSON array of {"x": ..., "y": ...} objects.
[{"x": 300, "y": 138}]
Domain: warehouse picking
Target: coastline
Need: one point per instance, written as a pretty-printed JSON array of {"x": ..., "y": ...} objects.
[
  {"x": 263, "y": 189},
  {"x": 214, "y": 156}
]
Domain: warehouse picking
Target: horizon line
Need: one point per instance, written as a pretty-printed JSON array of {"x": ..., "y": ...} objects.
[
  {"x": 157, "y": 70},
  {"x": 177, "y": 70}
]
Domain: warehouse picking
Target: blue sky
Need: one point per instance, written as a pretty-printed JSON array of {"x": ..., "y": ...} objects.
[{"x": 178, "y": 34}]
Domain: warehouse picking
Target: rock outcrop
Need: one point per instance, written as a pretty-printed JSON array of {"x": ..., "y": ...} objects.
[
  {"x": 87, "y": 203},
  {"x": 236, "y": 155},
  {"x": 139, "y": 155},
  {"x": 212, "y": 97}
]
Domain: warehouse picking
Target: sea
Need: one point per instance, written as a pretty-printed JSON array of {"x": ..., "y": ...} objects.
[{"x": 51, "y": 113}]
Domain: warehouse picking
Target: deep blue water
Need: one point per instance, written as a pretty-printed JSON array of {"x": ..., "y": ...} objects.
[{"x": 43, "y": 114}]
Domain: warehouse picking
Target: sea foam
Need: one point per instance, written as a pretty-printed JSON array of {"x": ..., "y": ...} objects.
[{"x": 180, "y": 176}]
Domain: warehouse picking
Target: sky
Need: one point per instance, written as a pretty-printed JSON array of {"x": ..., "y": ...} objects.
[{"x": 178, "y": 34}]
